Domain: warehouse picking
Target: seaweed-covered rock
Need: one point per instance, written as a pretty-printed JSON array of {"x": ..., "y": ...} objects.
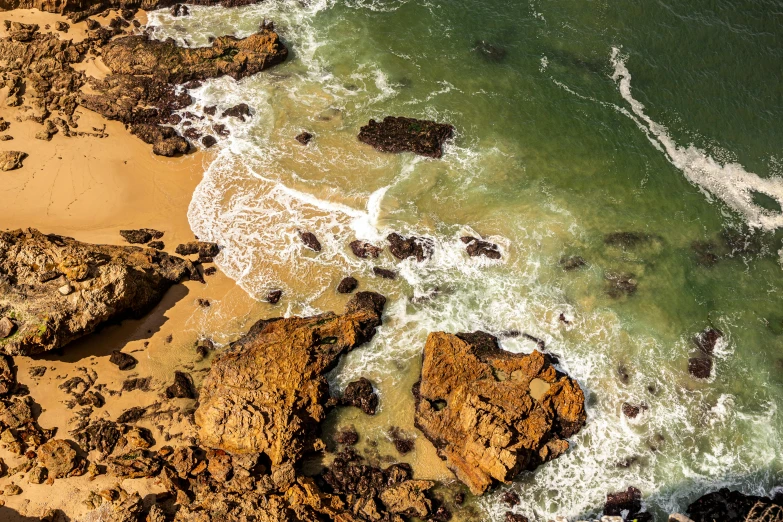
[
  {"x": 105, "y": 283},
  {"x": 490, "y": 413},
  {"x": 400, "y": 134},
  {"x": 267, "y": 392}
]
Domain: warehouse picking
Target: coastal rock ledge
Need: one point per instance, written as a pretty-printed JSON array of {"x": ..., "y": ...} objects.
[
  {"x": 55, "y": 289},
  {"x": 491, "y": 413}
]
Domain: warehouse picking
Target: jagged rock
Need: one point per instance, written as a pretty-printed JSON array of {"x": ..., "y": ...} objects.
[
  {"x": 488, "y": 51},
  {"x": 304, "y": 138},
  {"x": 61, "y": 26},
  {"x": 7, "y": 327},
  {"x": 310, "y": 241},
  {"x": 239, "y": 111},
  {"x": 202, "y": 248},
  {"x": 346, "y": 286},
  {"x": 400, "y": 134},
  {"x": 142, "y": 235},
  {"x": 7, "y": 378},
  {"x": 182, "y": 387},
  {"x": 58, "y": 457},
  {"x": 365, "y": 250},
  {"x": 207, "y": 141},
  {"x": 100, "y": 435},
  {"x": 10, "y": 160},
  {"x": 361, "y": 395},
  {"x": 132, "y": 414},
  {"x": 514, "y": 517},
  {"x": 22, "y": 32},
  {"x": 632, "y": 411},
  {"x": 38, "y": 475},
  {"x": 124, "y": 361},
  {"x": 347, "y": 436},
  {"x": 157, "y": 245},
  {"x": 408, "y": 498},
  {"x": 273, "y": 297},
  {"x": 219, "y": 465},
  {"x": 384, "y": 272},
  {"x": 238, "y": 58},
  {"x": 113, "y": 282},
  {"x": 490, "y": 413},
  {"x": 478, "y": 247},
  {"x": 403, "y": 248},
  {"x": 403, "y": 442},
  {"x": 267, "y": 391},
  {"x": 629, "y": 501},
  {"x": 134, "y": 464}
]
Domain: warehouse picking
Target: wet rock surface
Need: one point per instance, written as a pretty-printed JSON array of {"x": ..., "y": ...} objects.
[
  {"x": 346, "y": 286},
  {"x": 304, "y": 138},
  {"x": 310, "y": 241},
  {"x": 403, "y": 248},
  {"x": 478, "y": 247},
  {"x": 361, "y": 395},
  {"x": 267, "y": 391},
  {"x": 628, "y": 503},
  {"x": 400, "y": 134},
  {"x": 365, "y": 250},
  {"x": 732, "y": 506},
  {"x": 490, "y": 413},
  {"x": 106, "y": 283}
]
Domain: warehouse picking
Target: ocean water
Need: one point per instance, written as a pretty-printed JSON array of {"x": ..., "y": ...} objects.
[{"x": 574, "y": 120}]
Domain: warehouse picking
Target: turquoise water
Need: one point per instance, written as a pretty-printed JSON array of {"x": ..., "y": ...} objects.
[{"x": 573, "y": 121}]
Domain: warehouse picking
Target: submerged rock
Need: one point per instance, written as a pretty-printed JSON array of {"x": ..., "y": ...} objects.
[
  {"x": 478, "y": 247},
  {"x": 365, "y": 250},
  {"x": 700, "y": 367},
  {"x": 490, "y": 413},
  {"x": 399, "y": 134},
  {"x": 268, "y": 390},
  {"x": 273, "y": 297},
  {"x": 403, "y": 248},
  {"x": 107, "y": 283},
  {"x": 620, "y": 284},
  {"x": 304, "y": 138},
  {"x": 572, "y": 262},
  {"x": 310, "y": 241},
  {"x": 347, "y": 285},
  {"x": 490, "y": 52},
  {"x": 240, "y": 111},
  {"x": 707, "y": 339},
  {"x": 384, "y": 272}
]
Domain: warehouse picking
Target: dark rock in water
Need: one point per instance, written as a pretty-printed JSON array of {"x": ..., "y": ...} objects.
[
  {"x": 632, "y": 411},
  {"x": 182, "y": 387},
  {"x": 239, "y": 111},
  {"x": 211, "y": 110},
  {"x": 706, "y": 340},
  {"x": 366, "y": 300},
  {"x": 124, "y": 361},
  {"x": 273, "y": 297},
  {"x": 304, "y": 138},
  {"x": 732, "y": 506},
  {"x": 192, "y": 134},
  {"x": 399, "y": 134},
  {"x": 384, "y": 272},
  {"x": 572, "y": 262},
  {"x": 626, "y": 239},
  {"x": 157, "y": 245},
  {"x": 207, "y": 141},
  {"x": 403, "y": 442},
  {"x": 489, "y": 52},
  {"x": 510, "y": 498},
  {"x": 705, "y": 253},
  {"x": 347, "y": 436},
  {"x": 179, "y": 10},
  {"x": 629, "y": 500},
  {"x": 310, "y": 241},
  {"x": 623, "y": 374},
  {"x": 467, "y": 395},
  {"x": 539, "y": 342},
  {"x": 347, "y": 285},
  {"x": 514, "y": 517},
  {"x": 742, "y": 241},
  {"x": 221, "y": 130},
  {"x": 142, "y": 235},
  {"x": 361, "y": 395},
  {"x": 365, "y": 250},
  {"x": 700, "y": 367},
  {"x": 202, "y": 248},
  {"x": 478, "y": 247},
  {"x": 620, "y": 284},
  {"x": 403, "y": 248}
]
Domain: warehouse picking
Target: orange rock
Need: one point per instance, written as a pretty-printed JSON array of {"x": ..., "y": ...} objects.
[{"x": 474, "y": 403}]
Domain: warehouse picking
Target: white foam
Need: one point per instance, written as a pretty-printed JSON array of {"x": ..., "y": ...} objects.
[{"x": 728, "y": 181}]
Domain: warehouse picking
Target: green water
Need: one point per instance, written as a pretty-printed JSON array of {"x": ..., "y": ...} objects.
[{"x": 549, "y": 157}]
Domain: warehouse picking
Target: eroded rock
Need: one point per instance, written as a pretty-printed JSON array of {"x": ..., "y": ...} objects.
[
  {"x": 365, "y": 250},
  {"x": 475, "y": 403},
  {"x": 106, "y": 283},
  {"x": 403, "y": 248},
  {"x": 400, "y": 134},
  {"x": 10, "y": 160},
  {"x": 361, "y": 395},
  {"x": 479, "y": 247}
]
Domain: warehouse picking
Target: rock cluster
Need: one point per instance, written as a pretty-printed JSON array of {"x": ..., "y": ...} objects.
[
  {"x": 57, "y": 289},
  {"x": 733, "y": 506},
  {"x": 491, "y": 413},
  {"x": 400, "y": 134}
]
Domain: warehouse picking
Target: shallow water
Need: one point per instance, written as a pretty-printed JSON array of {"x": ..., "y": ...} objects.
[{"x": 574, "y": 121}]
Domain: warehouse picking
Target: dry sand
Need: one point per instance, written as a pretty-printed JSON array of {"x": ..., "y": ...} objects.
[{"x": 89, "y": 188}]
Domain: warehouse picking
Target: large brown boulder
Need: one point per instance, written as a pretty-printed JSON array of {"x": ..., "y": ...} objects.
[
  {"x": 59, "y": 289},
  {"x": 268, "y": 392},
  {"x": 166, "y": 61},
  {"x": 491, "y": 413}
]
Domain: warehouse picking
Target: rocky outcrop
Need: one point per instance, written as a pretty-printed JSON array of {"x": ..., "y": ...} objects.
[
  {"x": 365, "y": 250},
  {"x": 479, "y": 247},
  {"x": 733, "y": 506},
  {"x": 399, "y": 134},
  {"x": 79, "y": 9},
  {"x": 310, "y": 241},
  {"x": 58, "y": 289},
  {"x": 11, "y": 160},
  {"x": 346, "y": 286},
  {"x": 361, "y": 395},
  {"x": 405, "y": 247},
  {"x": 700, "y": 366},
  {"x": 267, "y": 393},
  {"x": 141, "y": 235},
  {"x": 490, "y": 413}
]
